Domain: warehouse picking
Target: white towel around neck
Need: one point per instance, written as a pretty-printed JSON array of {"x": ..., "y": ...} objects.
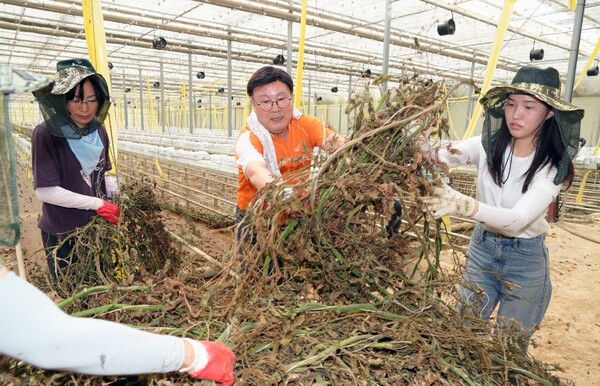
[{"x": 266, "y": 140}]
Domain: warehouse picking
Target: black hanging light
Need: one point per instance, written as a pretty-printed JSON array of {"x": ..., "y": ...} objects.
[
  {"x": 536, "y": 53},
  {"x": 279, "y": 60},
  {"x": 593, "y": 71},
  {"x": 159, "y": 43},
  {"x": 110, "y": 66},
  {"x": 221, "y": 90},
  {"x": 334, "y": 89},
  {"x": 156, "y": 84},
  {"x": 319, "y": 99},
  {"x": 366, "y": 73},
  {"x": 199, "y": 101},
  {"x": 447, "y": 28},
  {"x": 200, "y": 75},
  {"x": 127, "y": 89}
]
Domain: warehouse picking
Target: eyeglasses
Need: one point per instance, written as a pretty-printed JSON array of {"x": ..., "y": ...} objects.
[
  {"x": 267, "y": 105},
  {"x": 90, "y": 103}
]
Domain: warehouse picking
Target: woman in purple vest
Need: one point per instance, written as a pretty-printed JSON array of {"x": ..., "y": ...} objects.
[{"x": 70, "y": 153}]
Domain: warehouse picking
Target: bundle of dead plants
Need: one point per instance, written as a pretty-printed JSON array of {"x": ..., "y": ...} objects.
[
  {"x": 322, "y": 294},
  {"x": 328, "y": 297},
  {"x": 104, "y": 253}
]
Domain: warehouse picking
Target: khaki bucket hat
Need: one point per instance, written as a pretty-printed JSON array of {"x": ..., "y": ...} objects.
[
  {"x": 53, "y": 105},
  {"x": 71, "y": 72}
]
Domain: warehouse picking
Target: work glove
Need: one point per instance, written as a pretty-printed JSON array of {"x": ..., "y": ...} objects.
[
  {"x": 421, "y": 138},
  {"x": 213, "y": 361},
  {"x": 445, "y": 200},
  {"x": 109, "y": 212},
  {"x": 286, "y": 192}
]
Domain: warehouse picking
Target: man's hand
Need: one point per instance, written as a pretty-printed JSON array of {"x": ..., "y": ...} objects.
[
  {"x": 445, "y": 200},
  {"x": 109, "y": 212},
  {"x": 213, "y": 361},
  {"x": 333, "y": 142}
]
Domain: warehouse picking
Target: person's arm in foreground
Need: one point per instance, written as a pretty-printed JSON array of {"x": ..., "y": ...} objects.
[{"x": 35, "y": 330}]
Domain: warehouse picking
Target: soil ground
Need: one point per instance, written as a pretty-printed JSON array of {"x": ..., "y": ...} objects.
[{"x": 569, "y": 336}]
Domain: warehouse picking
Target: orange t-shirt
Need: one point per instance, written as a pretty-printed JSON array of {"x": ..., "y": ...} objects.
[{"x": 293, "y": 153}]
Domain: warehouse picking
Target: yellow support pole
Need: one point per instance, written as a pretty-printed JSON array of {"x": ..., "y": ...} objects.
[
  {"x": 182, "y": 104},
  {"x": 300, "y": 69},
  {"x": 152, "y": 117},
  {"x": 579, "y": 198},
  {"x": 492, "y": 61},
  {"x": 96, "y": 43},
  {"x": 246, "y": 104},
  {"x": 158, "y": 168},
  {"x": 573, "y": 5},
  {"x": 588, "y": 64}
]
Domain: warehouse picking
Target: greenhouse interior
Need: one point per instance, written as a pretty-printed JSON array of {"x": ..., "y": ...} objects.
[{"x": 177, "y": 72}]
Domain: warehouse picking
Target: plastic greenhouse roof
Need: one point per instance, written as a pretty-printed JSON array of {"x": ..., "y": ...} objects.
[{"x": 343, "y": 38}]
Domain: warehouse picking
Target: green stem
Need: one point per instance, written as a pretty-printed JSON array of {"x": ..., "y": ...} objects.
[
  {"x": 457, "y": 371},
  {"x": 289, "y": 229},
  {"x": 519, "y": 370},
  {"x": 322, "y": 355},
  {"x": 98, "y": 289},
  {"x": 112, "y": 307}
]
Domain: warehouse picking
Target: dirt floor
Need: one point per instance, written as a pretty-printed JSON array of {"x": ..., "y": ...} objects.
[{"x": 569, "y": 336}]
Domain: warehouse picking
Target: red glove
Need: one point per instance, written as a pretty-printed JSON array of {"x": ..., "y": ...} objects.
[
  {"x": 213, "y": 361},
  {"x": 109, "y": 212}
]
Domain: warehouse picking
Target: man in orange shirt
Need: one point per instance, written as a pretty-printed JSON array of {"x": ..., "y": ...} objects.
[{"x": 278, "y": 139}]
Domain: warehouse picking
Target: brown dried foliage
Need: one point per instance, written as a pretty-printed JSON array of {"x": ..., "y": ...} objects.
[{"x": 323, "y": 295}]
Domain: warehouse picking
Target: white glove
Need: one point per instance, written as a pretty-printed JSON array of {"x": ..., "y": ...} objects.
[
  {"x": 445, "y": 201},
  {"x": 421, "y": 138}
]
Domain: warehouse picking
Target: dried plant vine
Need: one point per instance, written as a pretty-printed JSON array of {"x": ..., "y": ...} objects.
[
  {"x": 328, "y": 297},
  {"x": 324, "y": 295},
  {"x": 105, "y": 254}
]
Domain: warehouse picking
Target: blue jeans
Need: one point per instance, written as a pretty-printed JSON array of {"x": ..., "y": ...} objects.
[{"x": 511, "y": 273}]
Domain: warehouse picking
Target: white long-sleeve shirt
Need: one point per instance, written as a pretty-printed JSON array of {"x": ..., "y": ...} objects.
[
  {"x": 506, "y": 210},
  {"x": 35, "y": 330}
]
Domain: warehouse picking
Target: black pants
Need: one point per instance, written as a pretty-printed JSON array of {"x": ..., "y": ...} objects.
[
  {"x": 243, "y": 235},
  {"x": 58, "y": 257}
]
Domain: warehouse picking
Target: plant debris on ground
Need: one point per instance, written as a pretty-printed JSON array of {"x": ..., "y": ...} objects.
[{"x": 321, "y": 294}]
